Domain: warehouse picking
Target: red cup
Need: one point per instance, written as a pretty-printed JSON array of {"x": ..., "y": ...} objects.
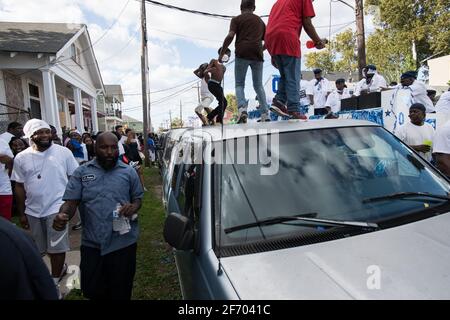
[{"x": 310, "y": 44}]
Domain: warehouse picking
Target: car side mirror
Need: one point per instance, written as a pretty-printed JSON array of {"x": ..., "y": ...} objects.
[{"x": 179, "y": 231}]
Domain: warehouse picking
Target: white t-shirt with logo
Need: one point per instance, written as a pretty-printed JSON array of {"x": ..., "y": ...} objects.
[
  {"x": 320, "y": 91},
  {"x": 334, "y": 99},
  {"x": 304, "y": 91},
  {"x": 374, "y": 85},
  {"x": 419, "y": 95},
  {"x": 54, "y": 165},
  {"x": 5, "y": 183},
  {"x": 414, "y": 135}
]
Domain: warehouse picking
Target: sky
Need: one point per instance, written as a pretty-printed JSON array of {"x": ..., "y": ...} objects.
[{"x": 178, "y": 43}]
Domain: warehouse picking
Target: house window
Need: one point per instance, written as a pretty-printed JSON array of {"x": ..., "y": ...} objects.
[
  {"x": 35, "y": 103},
  {"x": 75, "y": 53}
]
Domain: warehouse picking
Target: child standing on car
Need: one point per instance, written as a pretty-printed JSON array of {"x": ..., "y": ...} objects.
[{"x": 217, "y": 71}]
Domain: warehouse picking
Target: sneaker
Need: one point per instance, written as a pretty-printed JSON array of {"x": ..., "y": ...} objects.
[
  {"x": 297, "y": 115},
  {"x": 279, "y": 108},
  {"x": 243, "y": 117},
  {"x": 77, "y": 226}
]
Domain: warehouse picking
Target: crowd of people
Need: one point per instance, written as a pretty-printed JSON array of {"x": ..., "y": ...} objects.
[
  {"x": 294, "y": 96},
  {"x": 45, "y": 181}
]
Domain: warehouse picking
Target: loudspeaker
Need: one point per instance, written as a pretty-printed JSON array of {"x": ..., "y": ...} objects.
[
  {"x": 349, "y": 104},
  {"x": 370, "y": 100}
]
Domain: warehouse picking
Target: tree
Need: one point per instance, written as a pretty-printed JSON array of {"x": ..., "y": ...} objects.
[
  {"x": 339, "y": 56},
  {"x": 176, "y": 123},
  {"x": 345, "y": 45},
  {"x": 423, "y": 24},
  {"x": 323, "y": 59},
  {"x": 391, "y": 53}
]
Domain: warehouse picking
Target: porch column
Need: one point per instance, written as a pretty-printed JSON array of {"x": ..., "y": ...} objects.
[
  {"x": 2, "y": 88},
  {"x": 49, "y": 103},
  {"x": 79, "y": 121},
  {"x": 56, "y": 119},
  {"x": 67, "y": 114},
  {"x": 94, "y": 114}
]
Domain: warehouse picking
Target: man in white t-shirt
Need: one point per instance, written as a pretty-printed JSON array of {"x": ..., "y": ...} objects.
[
  {"x": 441, "y": 148},
  {"x": 443, "y": 105},
  {"x": 417, "y": 134},
  {"x": 319, "y": 89},
  {"x": 417, "y": 89},
  {"x": 305, "y": 101},
  {"x": 373, "y": 81},
  {"x": 333, "y": 103},
  {"x": 41, "y": 173},
  {"x": 6, "y": 198}
]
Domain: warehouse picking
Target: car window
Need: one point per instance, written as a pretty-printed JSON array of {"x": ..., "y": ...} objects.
[{"x": 329, "y": 172}]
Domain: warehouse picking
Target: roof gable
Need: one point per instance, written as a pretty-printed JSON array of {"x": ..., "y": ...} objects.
[{"x": 36, "y": 37}]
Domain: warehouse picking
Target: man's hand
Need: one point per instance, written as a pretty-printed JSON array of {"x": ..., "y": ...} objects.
[
  {"x": 60, "y": 221},
  {"x": 24, "y": 222},
  {"x": 128, "y": 210},
  {"x": 321, "y": 44}
]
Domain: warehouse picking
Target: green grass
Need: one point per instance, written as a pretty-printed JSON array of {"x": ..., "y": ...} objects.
[{"x": 156, "y": 273}]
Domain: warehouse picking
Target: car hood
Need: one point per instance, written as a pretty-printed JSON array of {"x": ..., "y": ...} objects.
[{"x": 406, "y": 262}]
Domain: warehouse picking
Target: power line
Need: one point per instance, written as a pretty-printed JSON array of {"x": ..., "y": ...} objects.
[{"x": 213, "y": 15}]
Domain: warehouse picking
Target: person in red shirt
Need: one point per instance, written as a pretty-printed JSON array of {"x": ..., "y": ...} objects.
[{"x": 282, "y": 40}]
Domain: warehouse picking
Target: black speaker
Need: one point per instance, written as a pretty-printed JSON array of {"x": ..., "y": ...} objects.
[
  {"x": 349, "y": 104},
  {"x": 320, "y": 111},
  {"x": 370, "y": 100}
]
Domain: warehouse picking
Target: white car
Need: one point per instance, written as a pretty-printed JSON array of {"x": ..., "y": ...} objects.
[{"x": 343, "y": 210}]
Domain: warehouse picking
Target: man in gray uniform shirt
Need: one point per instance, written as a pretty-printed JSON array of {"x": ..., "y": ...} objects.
[{"x": 108, "y": 194}]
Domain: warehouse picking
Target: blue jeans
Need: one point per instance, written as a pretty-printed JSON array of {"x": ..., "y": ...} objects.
[
  {"x": 289, "y": 85},
  {"x": 240, "y": 71}
]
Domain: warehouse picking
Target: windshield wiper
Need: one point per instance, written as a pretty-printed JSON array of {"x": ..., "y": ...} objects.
[
  {"x": 302, "y": 217},
  {"x": 401, "y": 195}
]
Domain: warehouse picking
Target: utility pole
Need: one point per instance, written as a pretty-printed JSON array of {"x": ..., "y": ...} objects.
[
  {"x": 144, "y": 81},
  {"x": 361, "y": 41},
  {"x": 170, "y": 118}
]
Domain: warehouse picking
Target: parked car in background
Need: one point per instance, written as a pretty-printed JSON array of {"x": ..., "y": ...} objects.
[{"x": 351, "y": 213}]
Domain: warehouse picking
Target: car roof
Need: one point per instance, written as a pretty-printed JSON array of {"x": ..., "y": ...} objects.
[
  {"x": 175, "y": 134},
  {"x": 232, "y": 131}
]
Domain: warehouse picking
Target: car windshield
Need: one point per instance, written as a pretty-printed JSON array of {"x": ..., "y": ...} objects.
[{"x": 330, "y": 172}]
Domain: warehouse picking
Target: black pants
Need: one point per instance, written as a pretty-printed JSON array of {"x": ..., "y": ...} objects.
[
  {"x": 217, "y": 92},
  {"x": 108, "y": 277}
]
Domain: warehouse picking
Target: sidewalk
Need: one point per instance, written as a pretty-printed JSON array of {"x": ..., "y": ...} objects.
[{"x": 72, "y": 260}]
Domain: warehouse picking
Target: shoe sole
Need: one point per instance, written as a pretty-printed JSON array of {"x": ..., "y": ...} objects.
[{"x": 279, "y": 111}]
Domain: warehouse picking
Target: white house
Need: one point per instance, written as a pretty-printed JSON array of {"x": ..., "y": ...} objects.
[
  {"x": 49, "y": 71},
  {"x": 439, "y": 73},
  {"x": 113, "y": 106}
]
